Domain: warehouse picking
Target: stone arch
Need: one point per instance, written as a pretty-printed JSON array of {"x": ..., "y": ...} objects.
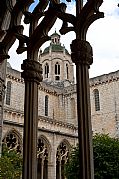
[
  {"x": 62, "y": 156},
  {"x": 44, "y": 138},
  {"x": 13, "y": 140},
  {"x": 43, "y": 155}
]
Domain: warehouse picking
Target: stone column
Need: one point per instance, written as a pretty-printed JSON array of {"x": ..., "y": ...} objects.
[
  {"x": 52, "y": 160},
  {"x": 32, "y": 76},
  {"x": 2, "y": 88},
  {"x": 82, "y": 56},
  {"x": 2, "y": 94},
  {"x": 60, "y": 170},
  {"x": 42, "y": 167}
]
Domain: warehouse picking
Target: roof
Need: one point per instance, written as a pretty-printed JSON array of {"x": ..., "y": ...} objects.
[{"x": 55, "y": 48}]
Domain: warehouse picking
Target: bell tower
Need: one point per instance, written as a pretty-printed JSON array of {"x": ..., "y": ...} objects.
[{"x": 56, "y": 62}]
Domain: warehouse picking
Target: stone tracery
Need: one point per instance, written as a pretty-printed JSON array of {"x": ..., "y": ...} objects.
[
  {"x": 12, "y": 141},
  {"x": 61, "y": 158},
  {"x": 42, "y": 155}
]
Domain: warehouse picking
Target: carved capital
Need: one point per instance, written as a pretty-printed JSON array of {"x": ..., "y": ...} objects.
[
  {"x": 81, "y": 52},
  {"x": 32, "y": 71}
]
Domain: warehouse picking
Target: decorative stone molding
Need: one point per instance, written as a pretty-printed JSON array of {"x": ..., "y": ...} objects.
[
  {"x": 81, "y": 52},
  {"x": 32, "y": 71}
]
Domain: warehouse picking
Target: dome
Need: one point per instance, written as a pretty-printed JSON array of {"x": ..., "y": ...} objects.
[
  {"x": 55, "y": 48},
  {"x": 55, "y": 45}
]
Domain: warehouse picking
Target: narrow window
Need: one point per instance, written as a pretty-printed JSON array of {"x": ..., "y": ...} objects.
[
  {"x": 57, "y": 71},
  {"x": 97, "y": 100},
  {"x": 46, "y": 70},
  {"x": 67, "y": 73},
  {"x": 8, "y": 93},
  {"x": 46, "y": 105}
]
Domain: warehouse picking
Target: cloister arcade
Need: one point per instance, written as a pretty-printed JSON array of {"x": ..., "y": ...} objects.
[{"x": 13, "y": 140}]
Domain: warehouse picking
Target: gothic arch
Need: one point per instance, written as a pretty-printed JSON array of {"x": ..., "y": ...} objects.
[
  {"x": 44, "y": 138},
  {"x": 43, "y": 155},
  {"x": 66, "y": 142},
  {"x": 13, "y": 140},
  {"x": 62, "y": 156}
]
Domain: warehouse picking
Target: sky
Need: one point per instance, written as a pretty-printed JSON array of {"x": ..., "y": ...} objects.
[{"x": 103, "y": 35}]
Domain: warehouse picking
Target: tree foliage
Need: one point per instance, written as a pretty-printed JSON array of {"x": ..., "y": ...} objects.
[
  {"x": 10, "y": 164},
  {"x": 106, "y": 159}
]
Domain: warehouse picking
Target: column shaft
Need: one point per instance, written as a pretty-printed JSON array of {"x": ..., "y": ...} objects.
[
  {"x": 32, "y": 76},
  {"x": 30, "y": 130},
  {"x": 82, "y": 57},
  {"x": 84, "y": 122}
]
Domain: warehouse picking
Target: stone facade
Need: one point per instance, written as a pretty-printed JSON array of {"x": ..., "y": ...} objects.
[{"x": 57, "y": 108}]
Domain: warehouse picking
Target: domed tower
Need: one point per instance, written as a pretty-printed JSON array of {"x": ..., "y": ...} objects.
[{"x": 56, "y": 62}]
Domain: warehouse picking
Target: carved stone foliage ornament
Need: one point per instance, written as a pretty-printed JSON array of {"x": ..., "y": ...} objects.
[
  {"x": 12, "y": 12},
  {"x": 32, "y": 71},
  {"x": 38, "y": 33},
  {"x": 81, "y": 52}
]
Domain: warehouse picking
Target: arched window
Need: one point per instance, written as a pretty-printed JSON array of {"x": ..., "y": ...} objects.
[
  {"x": 46, "y": 105},
  {"x": 46, "y": 70},
  {"x": 12, "y": 141},
  {"x": 97, "y": 100},
  {"x": 42, "y": 155},
  {"x": 67, "y": 71},
  {"x": 8, "y": 92},
  {"x": 61, "y": 158},
  {"x": 57, "y": 71}
]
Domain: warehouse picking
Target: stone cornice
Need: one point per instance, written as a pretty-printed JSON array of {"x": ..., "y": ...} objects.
[
  {"x": 12, "y": 110},
  {"x": 15, "y": 78},
  {"x": 57, "y": 123},
  {"x": 104, "y": 79},
  {"x": 42, "y": 119},
  {"x": 40, "y": 129}
]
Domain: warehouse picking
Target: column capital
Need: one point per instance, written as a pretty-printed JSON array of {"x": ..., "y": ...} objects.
[
  {"x": 32, "y": 71},
  {"x": 81, "y": 52}
]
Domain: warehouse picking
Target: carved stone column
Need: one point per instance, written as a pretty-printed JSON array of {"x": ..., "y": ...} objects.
[
  {"x": 32, "y": 75},
  {"x": 2, "y": 92},
  {"x": 52, "y": 160},
  {"x": 2, "y": 95},
  {"x": 82, "y": 56},
  {"x": 42, "y": 167}
]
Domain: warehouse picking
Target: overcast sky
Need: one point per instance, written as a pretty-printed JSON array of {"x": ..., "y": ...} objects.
[{"x": 103, "y": 35}]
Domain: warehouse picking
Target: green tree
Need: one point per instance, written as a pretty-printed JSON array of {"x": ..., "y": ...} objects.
[
  {"x": 106, "y": 159},
  {"x": 10, "y": 164}
]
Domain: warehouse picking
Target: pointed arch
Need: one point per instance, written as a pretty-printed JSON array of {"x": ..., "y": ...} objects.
[
  {"x": 62, "y": 156},
  {"x": 13, "y": 140},
  {"x": 43, "y": 155}
]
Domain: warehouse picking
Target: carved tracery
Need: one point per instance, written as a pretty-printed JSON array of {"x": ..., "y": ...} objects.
[
  {"x": 61, "y": 158},
  {"x": 12, "y": 141},
  {"x": 42, "y": 155}
]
